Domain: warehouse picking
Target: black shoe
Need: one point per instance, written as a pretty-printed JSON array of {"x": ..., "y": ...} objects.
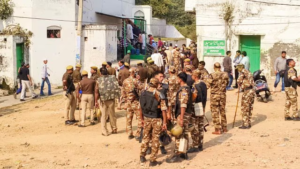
[
  {"x": 137, "y": 138},
  {"x": 81, "y": 125},
  {"x": 34, "y": 97},
  {"x": 184, "y": 156},
  {"x": 174, "y": 159},
  {"x": 193, "y": 150},
  {"x": 142, "y": 159},
  {"x": 22, "y": 100},
  {"x": 148, "y": 151},
  {"x": 296, "y": 118},
  {"x": 245, "y": 127},
  {"x": 130, "y": 137},
  {"x": 288, "y": 118},
  {"x": 74, "y": 121},
  {"x": 163, "y": 150},
  {"x": 154, "y": 163},
  {"x": 77, "y": 108},
  {"x": 92, "y": 123},
  {"x": 200, "y": 148},
  {"x": 42, "y": 94}
]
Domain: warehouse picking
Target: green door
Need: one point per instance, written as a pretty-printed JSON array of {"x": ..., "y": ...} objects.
[
  {"x": 140, "y": 22},
  {"x": 251, "y": 44},
  {"x": 20, "y": 55}
]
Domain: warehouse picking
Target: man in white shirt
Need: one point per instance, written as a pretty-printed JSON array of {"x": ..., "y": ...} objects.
[
  {"x": 158, "y": 60},
  {"x": 237, "y": 59},
  {"x": 45, "y": 78},
  {"x": 245, "y": 60},
  {"x": 129, "y": 32}
]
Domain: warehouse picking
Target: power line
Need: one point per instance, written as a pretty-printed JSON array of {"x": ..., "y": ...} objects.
[{"x": 272, "y": 3}]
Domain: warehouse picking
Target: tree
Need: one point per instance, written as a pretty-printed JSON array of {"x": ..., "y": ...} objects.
[
  {"x": 174, "y": 13},
  {"x": 6, "y": 10}
]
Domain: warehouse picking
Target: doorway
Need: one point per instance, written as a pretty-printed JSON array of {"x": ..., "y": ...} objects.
[
  {"x": 20, "y": 55},
  {"x": 251, "y": 44}
]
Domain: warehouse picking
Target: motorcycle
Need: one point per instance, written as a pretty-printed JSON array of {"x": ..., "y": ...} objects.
[{"x": 261, "y": 85}]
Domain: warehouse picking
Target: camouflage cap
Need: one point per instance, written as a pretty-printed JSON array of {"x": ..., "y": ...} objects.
[
  {"x": 188, "y": 67},
  {"x": 172, "y": 69},
  {"x": 154, "y": 82},
  {"x": 84, "y": 73},
  {"x": 78, "y": 65},
  {"x": 69, "y": 67},
  {"x": 104, "y": 63},
  {"x": 126, "y": 64},
  {"x": 196, "y": 73},
  {"x": 240, "y": 66},
  {"x": 139, "y": 63},
  {"x": 150, "y": 61},
  {"x": 149, "y": 58},
  {"x": 132, "y": 69}
]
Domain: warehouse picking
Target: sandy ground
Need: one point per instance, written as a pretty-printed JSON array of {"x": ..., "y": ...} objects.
[{"x": 33, "y": 135}]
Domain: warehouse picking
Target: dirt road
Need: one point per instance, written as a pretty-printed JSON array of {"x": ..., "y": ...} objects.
[{"x": 33, "y": 135}]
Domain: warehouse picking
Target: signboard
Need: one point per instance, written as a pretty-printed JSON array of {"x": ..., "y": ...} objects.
[{"x": 214, "y": 47}]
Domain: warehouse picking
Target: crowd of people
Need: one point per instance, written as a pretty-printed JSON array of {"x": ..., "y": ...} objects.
[{"x": 167, "y": 94}]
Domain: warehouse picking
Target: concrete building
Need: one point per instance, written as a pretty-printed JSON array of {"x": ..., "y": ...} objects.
[
  {"x": 155, "y": 26},
  {"x": 262, "y": 28},
  {"x": 53, "y": 24}
]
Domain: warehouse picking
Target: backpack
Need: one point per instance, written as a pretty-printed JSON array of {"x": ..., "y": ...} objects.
[{"x": 108, "y": 88}]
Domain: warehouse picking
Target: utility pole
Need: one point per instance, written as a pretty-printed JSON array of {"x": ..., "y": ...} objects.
[{"x": 79, "y": 32}]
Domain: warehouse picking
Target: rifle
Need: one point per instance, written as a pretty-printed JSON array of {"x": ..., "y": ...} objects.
[
  {"x": 70, "y": 89},
  {"x": 141, "y": 135}
]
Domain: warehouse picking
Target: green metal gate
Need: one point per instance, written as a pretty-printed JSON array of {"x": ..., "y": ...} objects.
[{"x": 251, "y": 44}]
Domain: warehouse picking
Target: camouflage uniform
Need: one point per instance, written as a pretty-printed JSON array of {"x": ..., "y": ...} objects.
[
  {"x": 173, "y": 88},
  {"x": 218, "y": 82},
  {"x": 183, "y": 97},
  {"x": 132, "y": 103},
  {"x": 204, "y": 76},
  {"x": 152, "y": 130},
  {"x": 177, "y": 61},
  {"x": 247, "y": 83},
  {"x": 291, "y": 96},
  {"x": 198, "y": 121}
]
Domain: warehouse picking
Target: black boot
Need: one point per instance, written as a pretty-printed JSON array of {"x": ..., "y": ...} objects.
[
  {"x": 163, "y": 150},
  {"x": 184, "y": 156},
  {"x": 148, "y": 151},
  {"x": 193, "y": 150},
  {"x": 174, "y": 159},
  {"x": 130, "y": 137},
  {"x": 200, "y": 147},
  {"x": 154, "y": 163},
  {"x": 142, "y": 159},
  {"x": 244, "y": 127},
  {"x": 288, "y": 118}
]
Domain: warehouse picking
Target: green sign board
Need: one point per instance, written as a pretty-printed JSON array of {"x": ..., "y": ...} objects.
[{"x": 214, "y": 47}]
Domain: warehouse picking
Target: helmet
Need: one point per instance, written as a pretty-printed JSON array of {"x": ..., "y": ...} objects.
[
  {"x": 165, "y": 139},
  {"x": 177, "y": 131},
  {"x": 191, "y": 127}
]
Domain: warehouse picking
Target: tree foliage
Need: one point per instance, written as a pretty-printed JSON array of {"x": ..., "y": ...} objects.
[
  {"x": 174, "y": 13},
  {"x": 17, "y": 30},
  {"x": 6, "y": 9}
]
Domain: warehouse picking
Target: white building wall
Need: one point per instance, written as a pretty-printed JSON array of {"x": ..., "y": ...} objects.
[
  {"x": 100, "y": 46},
  {"x": 147, "y": 10},
  {"x": 158, "y": 27},
  {"x": 8, "y": 68},
  {"x": 276, "y": 24},
  {"x": 60, "y": 52}
]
